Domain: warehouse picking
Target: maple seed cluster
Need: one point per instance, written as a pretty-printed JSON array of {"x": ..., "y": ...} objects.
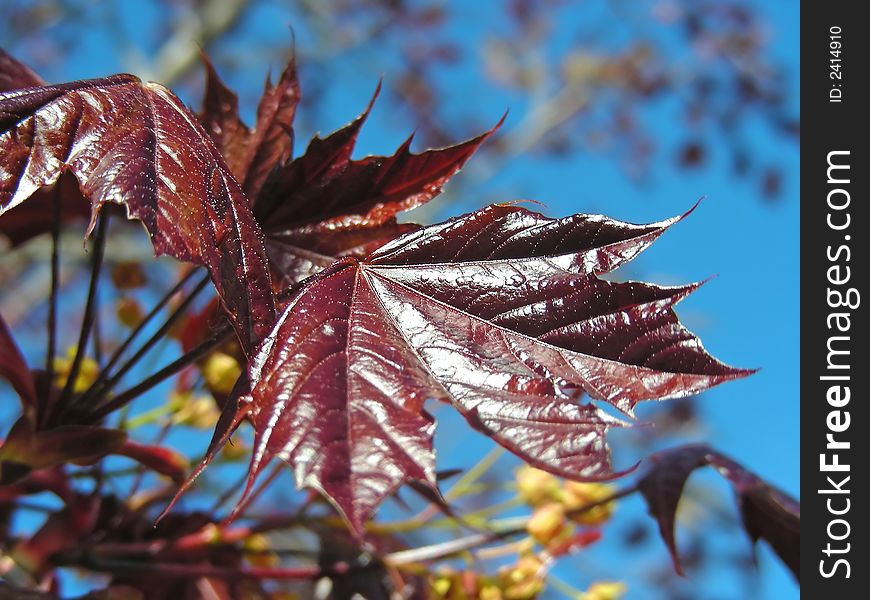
[{"x": 559, "y": 506}]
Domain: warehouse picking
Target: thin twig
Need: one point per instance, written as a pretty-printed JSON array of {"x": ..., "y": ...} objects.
[
  {"x": 51, "y": 351},
  {"x": 88, "y": 319},
  {"x": 116, "y": 356},
  {"x": 196, "y": 29},
  {"x": 221, "y": 336},
  {"x": 146, "y": 347},
  {"x": 511, "y": 527},
  {"x": 190, "y": 571}
]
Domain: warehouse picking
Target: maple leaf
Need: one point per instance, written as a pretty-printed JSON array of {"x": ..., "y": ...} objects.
[
  {"x": 252, "y": 154},
  {"x": 768, "y": 513},
  {"x": 498, "y": 312},
  {"x": 325, "y": 187},
  {"x": 298, "y": 253},
  {"x": 135, "y": 144},
  {"x": 324, "y": 205},
  {"x": 36, "y": 216}
]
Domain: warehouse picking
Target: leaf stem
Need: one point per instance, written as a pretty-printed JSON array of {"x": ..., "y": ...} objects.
[
  {"x": 511, "y": 527},
  {"x": 463, "y": 485},
  {"x": 88, "y": 319},
  {"x": 116, "y": 355},
  {"x": 474, "y": 473},
  {"x": 147, "y": 418},
  {"x": 568, "y": 590},
  {"x": 98, "y": 340},
  {"x": 113, "y": 380},
  {"x": 51, "y": 350},
  {"x": 472, "y": 518},
  {"x": 218, "y": 338}
]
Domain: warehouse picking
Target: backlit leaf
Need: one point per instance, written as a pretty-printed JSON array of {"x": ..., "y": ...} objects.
[
  {"x": 36, "y": 216},
  {"x": 499, "y": 313},
  {"x": 14, "y": 75},
  {"x": 252, "y": 154},
  {"x": 324, "y": 205},
  {"x": 767, "y": 512}
]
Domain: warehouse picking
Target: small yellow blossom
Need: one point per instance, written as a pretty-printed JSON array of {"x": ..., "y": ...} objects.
[
  {"x": 523, "y": 581},
  {"x": 490, "y": 592},
  {"x": 199, "y": 412},
  {"x": 605, "y": 590},
  {"x": 257, "y": 551},
  {"x": 577, "y": 495},
  {"x": 546, "y": 523},
  {"x": 221, "y": 372},
  {"x": 88, "y": 371},
  {"x": 536, "y": 486}
]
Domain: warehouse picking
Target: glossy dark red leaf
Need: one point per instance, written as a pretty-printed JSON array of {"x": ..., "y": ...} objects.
[
  {"x": 324, "y": 205},
  {"x": 252, "y": 154},
  {"x": 324, "y": 186},
  {"x": 13, "y": 368},
  {"x": 35, "y": 217},
  {"x": 220, "y": 117},
  {"x": 78, "y": 444},
  {"x": 767, "y": 512},
  {"x": 499, "y": 313},
  {"x": 297, "y": 254},
  {"x": 135, "y": 144}
]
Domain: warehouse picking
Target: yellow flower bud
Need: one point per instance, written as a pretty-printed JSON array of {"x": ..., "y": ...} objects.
[
  {"x": 221, "y": 372},
  {"x": 257, "y": 552},
  {"x": 88, "y": 371},
  {"x": 547, "y": 522},
  {"x": 535, "y": 486},
  {"x": 576, "y": 495},
  {"x": 200, "y": 412},
  {"x": 523, "y": 581},
  {"x": 129, "y": 312},
  {"x": 441, "y": 585},
  {"x": 605, "y": 590},
  {"x": 490, "y": 592}
]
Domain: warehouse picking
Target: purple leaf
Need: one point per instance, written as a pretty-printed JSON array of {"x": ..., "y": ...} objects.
[
  {"x": 324, "y": 205},
  {"x": 252, "y": 154},
  {"x": 135, "y": 144},
  {"x": 767, "y": 512},
  {"x": 498, "y": 313},
  {"x": 14, "y": 75}
]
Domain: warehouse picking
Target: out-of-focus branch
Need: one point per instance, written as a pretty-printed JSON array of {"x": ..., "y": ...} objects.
[
  {"x": 201, "y": 25},
  {"x": 24, "y": 288}
]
